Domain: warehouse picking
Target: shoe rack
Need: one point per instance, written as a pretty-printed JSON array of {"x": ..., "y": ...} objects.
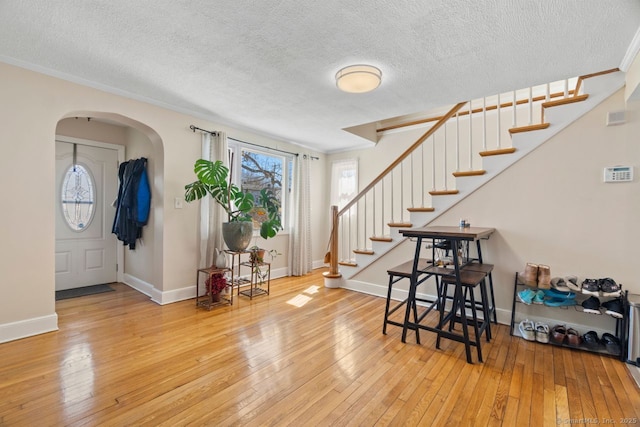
[{"x": 620, "y": 331}]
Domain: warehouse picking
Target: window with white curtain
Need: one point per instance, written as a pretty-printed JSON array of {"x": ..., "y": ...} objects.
[
  {"x": 344, "y": 181},
  {"x": 255, "y": 169}
]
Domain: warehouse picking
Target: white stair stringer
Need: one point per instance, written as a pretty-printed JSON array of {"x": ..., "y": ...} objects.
[{"x": 599, "y": 89}]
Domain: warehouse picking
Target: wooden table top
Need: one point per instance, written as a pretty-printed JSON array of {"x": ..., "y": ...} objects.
[{"x": 449, "y": 232}]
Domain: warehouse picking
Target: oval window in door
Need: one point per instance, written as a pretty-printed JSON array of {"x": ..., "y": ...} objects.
[{"x": 78, "y": 197}]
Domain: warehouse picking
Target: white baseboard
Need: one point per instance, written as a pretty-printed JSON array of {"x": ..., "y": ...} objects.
[{"x": 28, "y": 327}]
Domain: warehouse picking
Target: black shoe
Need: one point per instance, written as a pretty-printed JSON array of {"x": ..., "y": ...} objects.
[
  {"x": 609, "y": 287},
  {"x": 591, "y": 305},
  {"x": 614, "y": 308},
  {"x": 611, "y": 343},
  {"x": 591, "y": 340},
  {"x": 591, "y": 287}
]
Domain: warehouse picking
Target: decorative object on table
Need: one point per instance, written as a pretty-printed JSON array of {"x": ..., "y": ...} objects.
[
  {"x": 221, "y": 259},
  {"x": 214, "y": 178},
  {"x": 257, "y": 257}
]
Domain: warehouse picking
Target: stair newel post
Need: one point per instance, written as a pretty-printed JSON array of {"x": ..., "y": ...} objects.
[{"x": 333, "y": 272}]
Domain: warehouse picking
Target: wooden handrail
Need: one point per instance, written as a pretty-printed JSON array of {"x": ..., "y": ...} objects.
[
  {"x": 588, "y": 76},
  {"x": 403, "y": 156},
  {"x": 474, "y": 111}
]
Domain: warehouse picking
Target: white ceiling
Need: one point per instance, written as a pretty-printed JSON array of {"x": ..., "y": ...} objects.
[{"x": 269, "y": 66}]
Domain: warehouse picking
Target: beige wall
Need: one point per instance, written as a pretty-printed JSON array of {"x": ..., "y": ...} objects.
[{"x": 31, "y": 106}]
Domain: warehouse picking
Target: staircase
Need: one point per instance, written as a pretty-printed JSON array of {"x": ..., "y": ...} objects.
[{"x": 459, "y": 152}]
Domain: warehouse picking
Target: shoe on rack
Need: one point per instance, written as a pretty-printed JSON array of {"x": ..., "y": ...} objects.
[
  {"x": 530, "y": 275},
  {"x": 559, "y": 302},
  {"x": 591, "y": 305},
  {"x": 526, "y": 295},
  {"x": 591, "y": 340},
  {"x": 554, "y": 293},
  {"x": 590, "y": 287},
  {"x": 544, "y": 276},
  {"x": 611, "y": 343},
  {"x": 609, "y": 287},
  {"x": 527, "y": 330},
  {"x": 558, "y": 334},
  {"x": 572, "y": 283},
  {"x": 614, "y": 308},
  {"x": 538, "y": 298},
  {"x": 542, "y": 332},
  {"x": 560, "y": 284},
  {"x": 573, "y": 338}
]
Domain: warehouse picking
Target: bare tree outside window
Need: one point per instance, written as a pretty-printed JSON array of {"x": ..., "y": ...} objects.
[{"x": 260, "y": 171}]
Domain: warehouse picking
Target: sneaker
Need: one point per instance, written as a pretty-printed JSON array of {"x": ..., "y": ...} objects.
[
  {"x": 530, "y": 275},
  {"x": 591, "y": 305},
  {"x": 560, "y": 284},
  {"x": 591, "y": 287},
  {"x": 542, "y": 332},
  {"x": 544, "y": 277},
  {"x": 611, "y": 343},
  {"x": 538, "y": 298},
  {"x": 558, "y": 334},
  {"x": 573, "y": 338},
  {"x": 526, "y": 296},
  {"x": 572, "y": 283},
  {"x": 614, "y": 308},
  {"x": 591, "y": 340},
  {"x": 554, "y": 293},
  {"x": 559, "y": 302},
  {"x": 609, "y": 288},
  {"x": 527, "y": 330}
]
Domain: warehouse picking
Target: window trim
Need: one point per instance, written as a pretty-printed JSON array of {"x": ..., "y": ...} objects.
[{"x": 237, "y": 147}]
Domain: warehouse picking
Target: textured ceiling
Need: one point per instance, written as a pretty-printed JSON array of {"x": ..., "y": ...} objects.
[{"x": 269, "y": 66}]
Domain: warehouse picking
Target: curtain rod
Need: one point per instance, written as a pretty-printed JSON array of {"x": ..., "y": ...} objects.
[{"x": 214, "y": 133}]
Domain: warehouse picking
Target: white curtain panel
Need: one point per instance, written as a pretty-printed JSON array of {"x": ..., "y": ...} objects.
[
  {"x": 214, "y": 147},
  {"x": 300, "y": 235}
]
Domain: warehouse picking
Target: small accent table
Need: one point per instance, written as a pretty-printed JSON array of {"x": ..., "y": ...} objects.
[
  {"x": 260, "y": 276},
  {"x": 206, "y": 300}
]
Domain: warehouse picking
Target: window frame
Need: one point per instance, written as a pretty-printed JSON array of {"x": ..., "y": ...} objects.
[{"x": 287, "y": 177}]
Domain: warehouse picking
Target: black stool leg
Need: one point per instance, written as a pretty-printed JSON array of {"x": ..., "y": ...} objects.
[
  {"x": 474, "y": 316},
  {"x": 386, "y": 308}
]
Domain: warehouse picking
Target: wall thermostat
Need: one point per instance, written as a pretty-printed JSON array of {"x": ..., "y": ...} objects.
[{"x": 618, "y": 174}]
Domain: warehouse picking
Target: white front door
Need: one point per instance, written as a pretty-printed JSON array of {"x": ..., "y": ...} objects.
[{"x": 85, "y": 246}]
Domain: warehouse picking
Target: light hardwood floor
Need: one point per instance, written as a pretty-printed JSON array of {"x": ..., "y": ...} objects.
[{"x": 120, "y": 359}]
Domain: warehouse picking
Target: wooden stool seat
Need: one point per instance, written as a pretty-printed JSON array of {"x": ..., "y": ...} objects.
[
  {"x": 486, "y": 268},
  {"x": 467, "y": 278},
  {"x": 404, "y": 271}
]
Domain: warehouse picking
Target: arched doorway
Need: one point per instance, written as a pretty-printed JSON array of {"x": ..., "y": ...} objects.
[{"x": 107, "y": 130}]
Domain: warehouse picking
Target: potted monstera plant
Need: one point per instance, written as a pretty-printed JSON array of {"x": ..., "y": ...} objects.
[{"x": 214, "y": 179}]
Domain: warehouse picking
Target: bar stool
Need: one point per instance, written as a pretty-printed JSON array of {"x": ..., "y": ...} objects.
[
  {"x": 403, "y": 271},
  {"x": 465, "y": 298},
  {"x": 487, "y": 269}
]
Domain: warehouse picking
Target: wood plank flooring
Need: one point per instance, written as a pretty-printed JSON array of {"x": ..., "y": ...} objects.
[{"x": 302, "y": 356}]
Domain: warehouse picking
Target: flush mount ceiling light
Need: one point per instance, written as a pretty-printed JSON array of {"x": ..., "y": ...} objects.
[{"x": 358, "y": 78}]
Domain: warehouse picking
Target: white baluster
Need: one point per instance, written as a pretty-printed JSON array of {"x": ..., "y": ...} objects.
[
  {"x": 470, "y": 137},
  {"x": 514, "y": 120},
  {"x": 530, "y": 105},
  {"x": 433, "y": 161},
  {"x": 484, "y": 124},
  {"x": 498, "y": 120},
  {"x": 444, "y": 169},
  {"x": 457, "y": 143}
]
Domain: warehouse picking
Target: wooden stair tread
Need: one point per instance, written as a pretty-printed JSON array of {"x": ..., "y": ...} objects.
[
  {"x": 400, "y": 224},
  {"x": 380, "y": 239},
  {"x": 529, "y": 128},
  {"x": 565, "y": 101},
  {"x": 422, "y": 209},
  {"x": 348, "y": 263},
  {"x": 469, "y": 173},
  {"x": 497, "y": 152},
  {"x": 443, "y": 192},
  {"x": 363, "y": 251}
]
